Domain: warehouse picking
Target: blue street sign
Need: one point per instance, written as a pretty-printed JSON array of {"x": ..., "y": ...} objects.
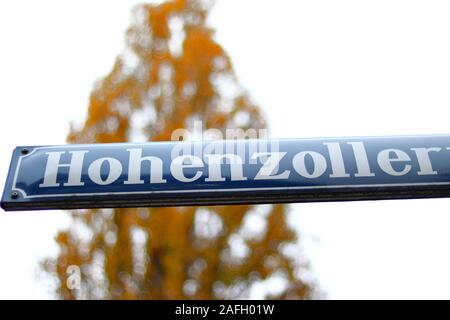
[{"x": 227, "y": 172}]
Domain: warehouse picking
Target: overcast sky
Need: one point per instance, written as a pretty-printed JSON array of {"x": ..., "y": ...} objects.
[{"x": 317, "y": 68}]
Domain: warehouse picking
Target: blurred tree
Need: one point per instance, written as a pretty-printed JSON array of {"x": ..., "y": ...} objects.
[{"x": 172, "y": 73}]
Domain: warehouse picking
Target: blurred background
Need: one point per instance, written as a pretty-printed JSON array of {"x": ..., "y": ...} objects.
[{"x": 303, "y": 69}]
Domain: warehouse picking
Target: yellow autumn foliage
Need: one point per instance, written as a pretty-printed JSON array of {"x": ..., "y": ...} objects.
[{"x": 171, "y": 73}]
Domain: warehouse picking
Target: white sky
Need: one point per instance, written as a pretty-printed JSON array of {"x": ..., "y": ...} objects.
[{"x": 318, "y": 68}]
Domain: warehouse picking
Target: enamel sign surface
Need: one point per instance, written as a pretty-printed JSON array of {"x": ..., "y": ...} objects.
[{"x": 227, "y": 172}]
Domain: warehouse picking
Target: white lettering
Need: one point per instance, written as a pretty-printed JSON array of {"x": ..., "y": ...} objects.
[
  {"x": 114, "y": 172},
  {"x": 135, "y": 164},
  {"x": 75, "y": 166},
  {"x": 270, "y": 166},
  {"x": 385, "y": 161},
  {"x": 423, "y": 156},
  {"x": 177, "y": 167},
  {"x": 337, "y": 160},
  {"x": 299, "y": 163},
  {"x": 215, "y": 164},
  {"x": 362, "y": 163}
]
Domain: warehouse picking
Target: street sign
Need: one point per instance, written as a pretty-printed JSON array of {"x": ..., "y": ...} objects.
[{"x": 227, "y": 172}]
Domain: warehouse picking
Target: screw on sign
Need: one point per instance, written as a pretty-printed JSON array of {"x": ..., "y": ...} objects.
[{"x": 228, "y": 172}]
